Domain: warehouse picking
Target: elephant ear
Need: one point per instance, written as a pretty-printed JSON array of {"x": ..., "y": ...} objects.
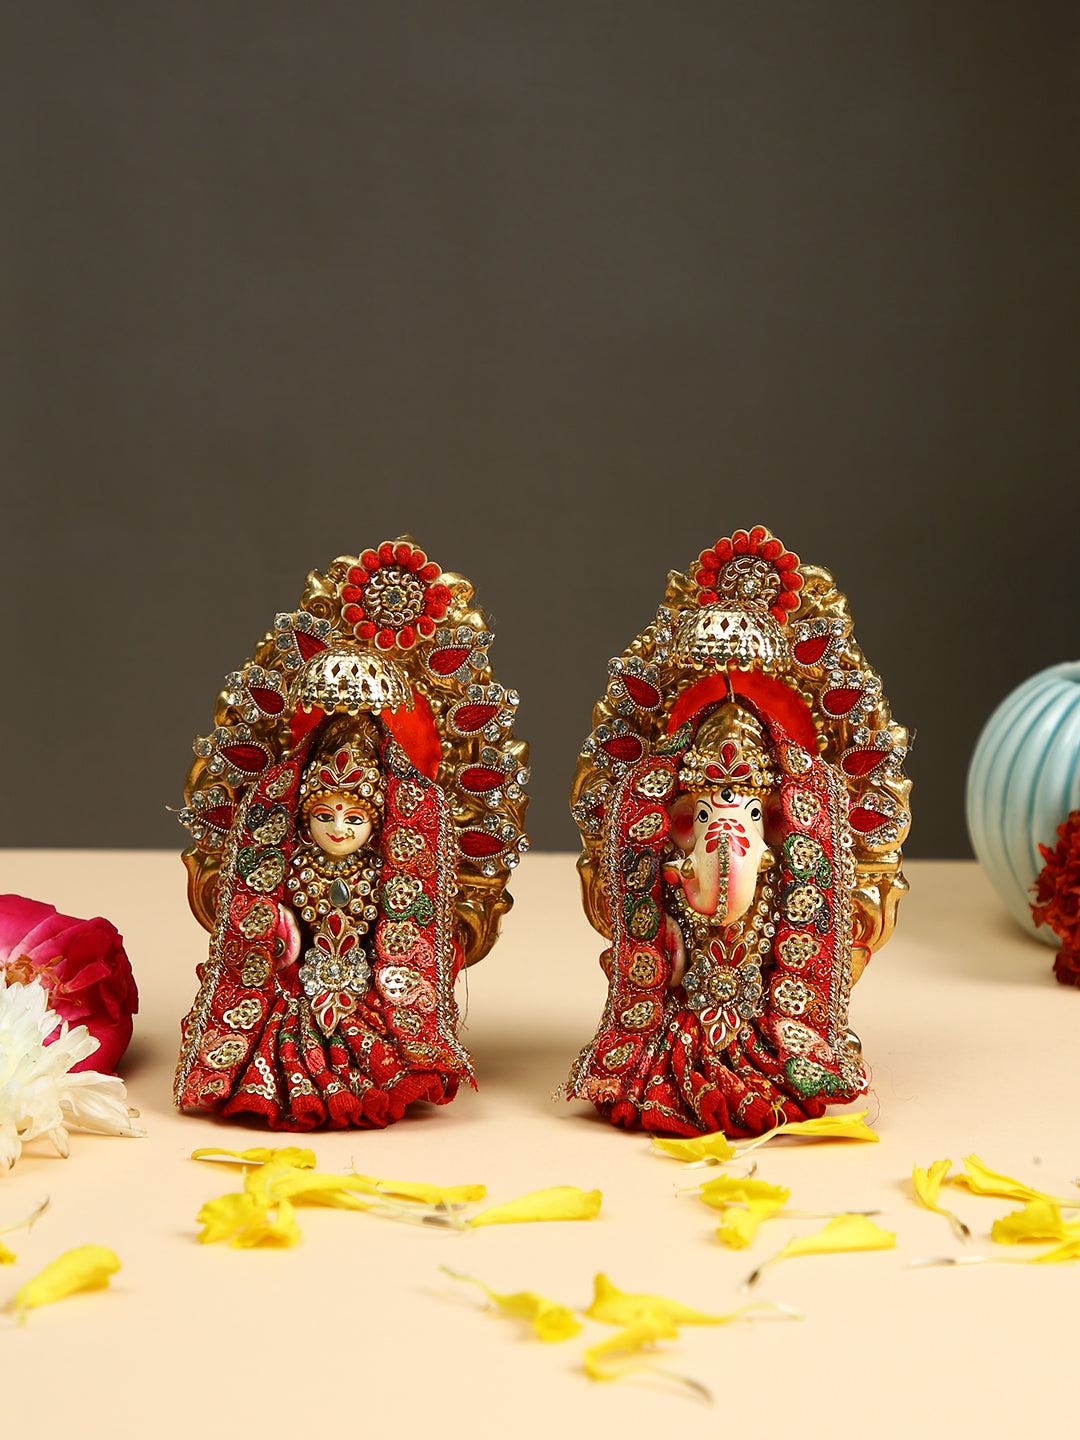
[
  {"x": 775, "y": 832},
  {"x": 682, "y": 822}
]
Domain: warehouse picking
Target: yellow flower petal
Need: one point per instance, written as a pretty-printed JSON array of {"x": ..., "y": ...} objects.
[
  {"x": 260, "y": 1155},
  {"x": 308, "y": 1187},
  {"x": 551, "y": 1322},
  {"x": 927, "y": 1183},
  {"x": 727, "y": 1190},
  {"x": 611, "y": 1306},
  {"x": 222, "y": 1218},
  {"x": 628, "y": 1343},
  {"x": 427, "y": 1194},
  {"x": 86, "y": 1268},
  {"x": 981, "y": 1180},
  {"x": 826, "y": 1127},
  {"x": 628, "y": 1353},
  {"x": 281, "y": 1230},
  {"x": 7, "y": 1257},
  {"x": 1069, "y": 1251},
  {"x": 1038, "y": 1220},
  {"x": 561, "y": 1202},
  {"x": 697, "y": 1148},
  {"x": 740, "y": 1226},
  {"x": 845, "y": 1233}
]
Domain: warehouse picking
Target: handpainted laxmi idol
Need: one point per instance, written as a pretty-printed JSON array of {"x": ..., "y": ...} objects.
[
  {"x": 742, "y": 806},
  {"x": 355, "y": 815}
]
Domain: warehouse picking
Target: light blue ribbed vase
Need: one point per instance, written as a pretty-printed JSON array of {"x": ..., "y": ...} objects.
[{"x": 1023, "y": 780}]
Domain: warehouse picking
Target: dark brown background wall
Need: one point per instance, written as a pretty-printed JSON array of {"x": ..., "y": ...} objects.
[{"x": 566, "y": 290}]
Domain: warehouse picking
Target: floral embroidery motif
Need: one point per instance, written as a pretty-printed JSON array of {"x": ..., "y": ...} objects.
[
  {"x": 245, "y": 1015},
  {"x": 647, "y": 826},
  {"x": 399, "y": 937}
]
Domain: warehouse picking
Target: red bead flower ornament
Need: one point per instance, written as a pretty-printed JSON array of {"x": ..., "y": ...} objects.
[
  {"x": 750, "y": 568},
  {"x": 391, "y": 597}
]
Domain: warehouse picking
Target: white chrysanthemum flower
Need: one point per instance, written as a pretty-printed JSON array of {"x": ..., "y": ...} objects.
[{"x": 37, "y": 1094}]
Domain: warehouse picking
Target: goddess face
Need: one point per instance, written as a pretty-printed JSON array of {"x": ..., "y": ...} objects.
[
  {"x": 721, "y": 830},
  {"x": 338, "y": 825}
]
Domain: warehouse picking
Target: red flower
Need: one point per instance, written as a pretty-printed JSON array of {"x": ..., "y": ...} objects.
[
  {"x": 1057, "y": 897},
  {"x": 390, "y": 597},
  {"x": 82, "y": 965},
  {"x": 750, "y": 566}
]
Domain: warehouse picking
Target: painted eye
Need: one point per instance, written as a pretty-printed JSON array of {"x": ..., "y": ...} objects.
[
  {"x": 727, "y": 796},
  {"x": 703, "y": 816},
  {"x": 325, "y": 817},
  {"x": 755, "y": 813}
]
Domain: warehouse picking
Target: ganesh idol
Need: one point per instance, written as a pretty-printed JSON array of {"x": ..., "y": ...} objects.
[
  {"x": 742, "y": 806},
  {"x": 355, "y": 815}
]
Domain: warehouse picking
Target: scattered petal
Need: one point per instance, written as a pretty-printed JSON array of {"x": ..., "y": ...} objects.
[
  {"x": 260, "y": 1155},
  {"x": 741, "y": 1225},
  {"x": 726, "y": 1190},
  {"x": 1039, "y": 1220},
  {"x": 622, "y": 1355},
  {"x": 611, "y": 1306},
  {"x": 826, "y": 1127},
  {"x": 981, "y": 1180},
  {"x": 713, "y": 1149},
  {"x": 1069, "y": 1251},
  {"x": 927, "y": 1183},
  {"x": 7, "y": 1256},
  {"x": 306, "y": 1187},
  {"x": 223, "y": 1218},
  {"x": 845, "y": 1233},
  {"x": 87, "y": 1268},
  {"x": 417, "y": 1190},
  {"x": 551, "y": 1322},
  {"x": 560, "y": 1202}
]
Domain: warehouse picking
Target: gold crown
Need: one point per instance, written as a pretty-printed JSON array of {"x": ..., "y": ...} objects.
[
  {"x": 344, "y": 768},
  {"x": 729, "y": 749}
]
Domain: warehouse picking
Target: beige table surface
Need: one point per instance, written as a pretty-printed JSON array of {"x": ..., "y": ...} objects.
[{"x": 356, "y": 1331}]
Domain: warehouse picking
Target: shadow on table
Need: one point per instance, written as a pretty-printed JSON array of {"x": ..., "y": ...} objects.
[{"x": 530, "y": 1065}]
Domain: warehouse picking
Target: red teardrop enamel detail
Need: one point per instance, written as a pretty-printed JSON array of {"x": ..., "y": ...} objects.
[
  {"x": 644, "y": 695},
  {"x": 839, "y": 702},
  {"x": 307, "y": 644},
  {"x": 220, "y": 816},
  {"x": 449, "y": 659},
  {"x": 470, "y": 718},
  {"x": 809, "y": 652},
  {"x": 248, "y": 758},
  {"x": 270, "y": 702},
  {"x": 481, "y": 778},
  {"x": 861, "y": 762},
  {"x": 864, "y": 820},
  {"x": 480, "y": 845},
  {"x": 623, "y": 747}
]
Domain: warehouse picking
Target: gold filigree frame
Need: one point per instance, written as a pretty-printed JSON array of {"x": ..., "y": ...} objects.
[
  {"x": 492, "y": 816},
  {"x": 661, "y": 661}
]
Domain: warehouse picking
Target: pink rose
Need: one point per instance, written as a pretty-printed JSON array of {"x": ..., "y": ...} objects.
[{"x": 82, "y": 965}]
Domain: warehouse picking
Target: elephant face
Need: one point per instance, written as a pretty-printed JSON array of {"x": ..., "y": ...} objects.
[{"x": 718, "y": 831}]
